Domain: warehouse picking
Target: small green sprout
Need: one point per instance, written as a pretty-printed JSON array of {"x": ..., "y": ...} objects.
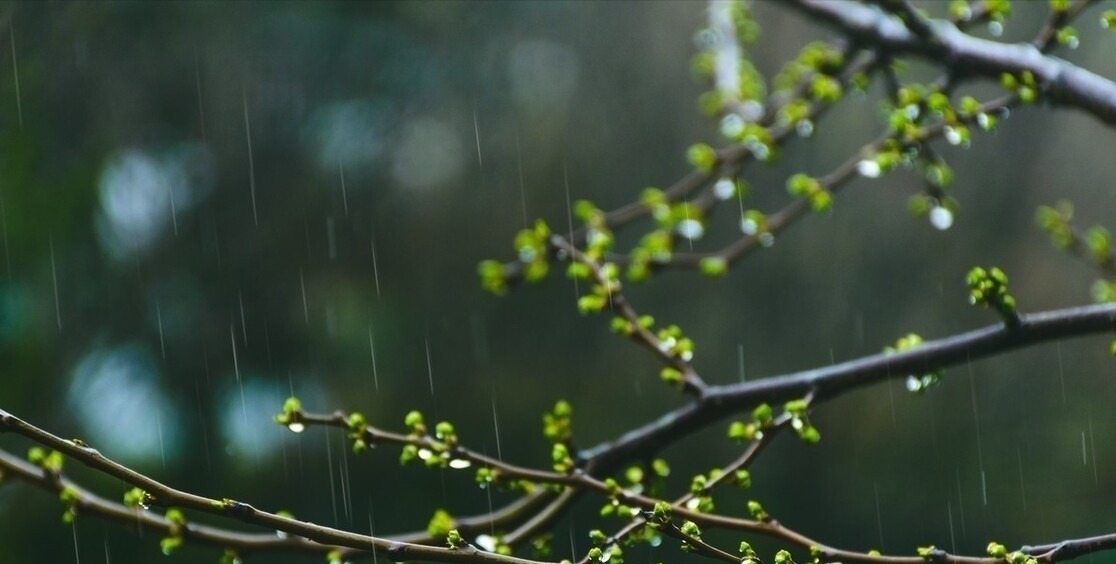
[
  {"x": 557, "y": 425},
  {"x": 988, "y": 288},
  {"x": 702, "y": 157},
  {"x": 756, "y": 511},
  {"x": 454, "y": 539},
  {"x": 441, "y": 523},
  {"x": 414, "y": 422}
]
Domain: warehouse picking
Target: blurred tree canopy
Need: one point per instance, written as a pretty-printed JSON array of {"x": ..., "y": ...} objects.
[{"x": 208, "y": 207}]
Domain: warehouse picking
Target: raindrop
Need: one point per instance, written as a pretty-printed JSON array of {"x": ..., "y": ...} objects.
[
  {"x": 707, "y": 39},
  {"x": 912, "y": 111},
  {"x": 344, "y": 193},
  {"x": 732, "y": 125},
  {"x": 77, "y": 553},
  {"x": 305, "y": 308},
  {"x": 995, "y": 28},
  {"x": 724, "y": 189},
  {"x": 375, "y": 267},
  {"x": 655, "y": 541},
  {"x": 751, "y": 110},
  {"x": 425, "y": 453},
  {"x": 766, "y": 239},
  {"x": 243, "y": 323},
  {"x": 869, "y": 168},
  {"x": 749, "y": 226},
  {"x": 1073, "y": 43},
  {"x": 429, "y": 367},
  {"x": 693, "y": 504},
  {"x": 804, "y": 128},
  {"x": 251, "y": 165},
  {"x": 15, "y": 74},
  {"x": 296, "y": 427},
  {"x": 496, "y": 429},
  {"x": 487, "y": 542},
  {"x": 965, "y": 13},
  {"x": 913, "y": 384},
  {"x": 372, "y": 350},
  {"x": 159, "y": 318},
  {"x": 687, "y": 355},
  {"x": 941, "y": 218},
  {"x": 983, "y": 120},
  {"x": 690, "y": 228},
  {"x": 760, "y": 150},
  {"x": 281, "y": 534},
  {"x": 476, "y": 131},
  {"x": 54, "y": 276},
  {"x": 459, "y": 464},
  {"x": 953, "y": 136}
]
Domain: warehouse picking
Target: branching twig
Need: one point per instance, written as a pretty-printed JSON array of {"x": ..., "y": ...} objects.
[
  {"x": 1066, "y": 84},
  {"x": 166, "y": 496},
  {"x": 691, "y": 382},
  {"x": 12, "y": 466},
  {"x": 831, "y": 381}
]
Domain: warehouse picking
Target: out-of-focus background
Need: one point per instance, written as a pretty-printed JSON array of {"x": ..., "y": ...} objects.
[{"x": 209, "y": 206}]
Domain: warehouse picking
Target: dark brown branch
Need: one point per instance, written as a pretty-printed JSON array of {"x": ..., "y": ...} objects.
[
  {"x": 166, "y": 496},
  {"x": 12, "y": 466},
  {"x": 828, "y": 382},
  {"x": 1065, "y": 84}
]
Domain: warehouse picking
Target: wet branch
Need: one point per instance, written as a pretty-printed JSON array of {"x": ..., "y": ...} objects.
[
  {"x": 245, "y": 544},
  {"x": 1065, "y": 83},
  {"x": 165, "y": 496},
  {"x": 831, "y": 381}
]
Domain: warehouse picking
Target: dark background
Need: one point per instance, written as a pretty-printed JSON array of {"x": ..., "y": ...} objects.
[{"x": 455, "y": 124}]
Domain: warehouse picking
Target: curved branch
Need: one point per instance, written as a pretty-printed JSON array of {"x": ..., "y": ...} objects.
[
  {"x": 165, "y": 496},
  {"x": 1066, "y": 84},
  {"x": 828, "y": 382},
  {"x": 245, "y": 543}
]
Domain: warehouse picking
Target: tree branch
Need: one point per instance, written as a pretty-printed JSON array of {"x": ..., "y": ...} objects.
[
  {"x": 828, "y": 382},
  {"x": 166, "y": 496},
  {"x": 245, "y": 543},
  {"x": 1065, "y": 83}
]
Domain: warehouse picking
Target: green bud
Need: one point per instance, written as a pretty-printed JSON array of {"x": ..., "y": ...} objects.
[
  {"x": 756, "y": 511},
  {"x": 1108, "y": 19},
  {"x": 713, "y": 266},
  {"x": 414, "y": 422},
  {"x": 444, "y": 430},
  {"x": 743, "y": 478},
  {"x": 454, "y": 539},
  {"x": 492, "y": 277},
  {"x": 441, "y": 523},
  {"x": 762, "y": 414},
  {"x": 702, "y": 157},
  {"x": 690, "y": 529},
  {"x": 996, "y": 550},
  {"x": 671, "y": 376}
]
